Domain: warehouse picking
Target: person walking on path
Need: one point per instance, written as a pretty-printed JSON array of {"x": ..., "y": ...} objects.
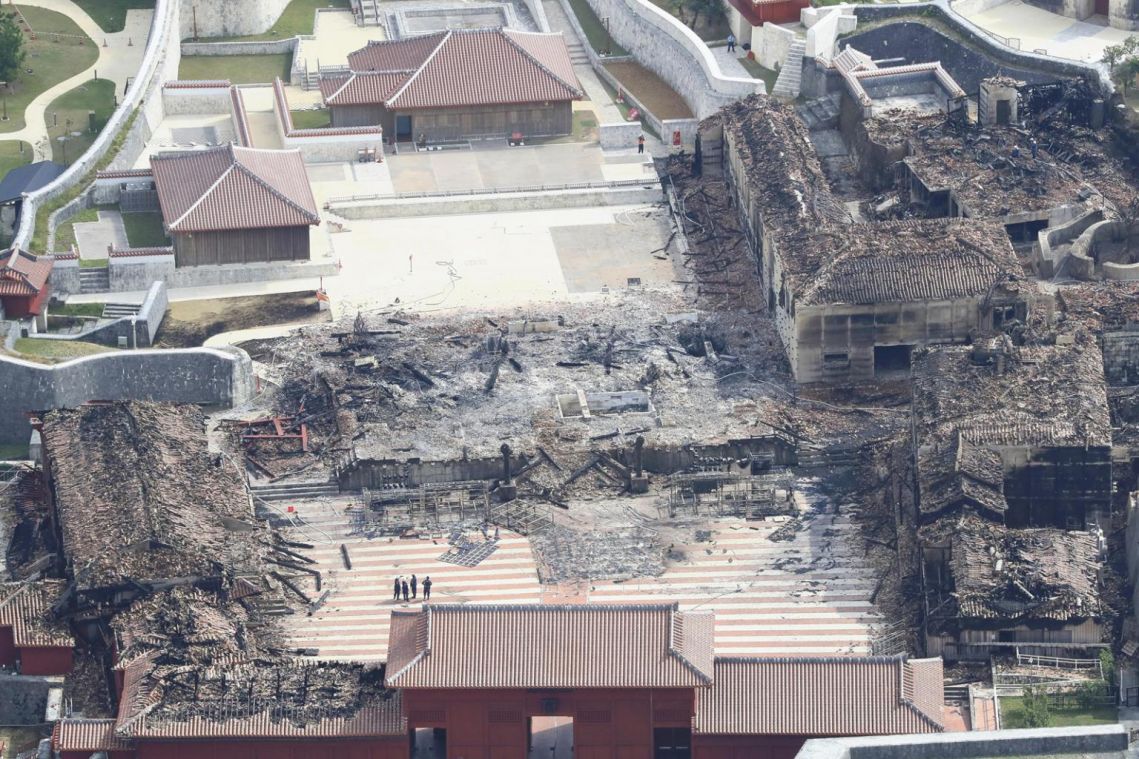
[
  {"x": 731, "y": 43},
  {"x": 404, "y": 587},
  {"x": 427, "y": 588},
  {"x": 396, "y": 596},
  {"x": 641, "y": 144},
  {"x": 414, "y": 582}
]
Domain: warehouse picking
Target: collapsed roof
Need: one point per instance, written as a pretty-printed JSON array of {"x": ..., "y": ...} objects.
[{"x": 139, "y": 497}]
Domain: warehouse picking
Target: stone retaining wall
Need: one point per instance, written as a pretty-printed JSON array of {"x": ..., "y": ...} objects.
[
  {"x": 227, "y": 18},
  {"x": 178, "y": 101},
  {"x": 197, "y": 375},
  {"x": 134, "y": 273},
  {"x": 1121, "y": 357},
  {"x": 499, "y": 202},
  {"x": 620, "y": 134},
  {"x": 241, "y": 47},
  {"x": 136, "y": 331},
  {"x": 673, "y": 52}
]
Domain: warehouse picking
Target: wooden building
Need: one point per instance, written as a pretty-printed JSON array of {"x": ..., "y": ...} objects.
[
  {"x": 31, "y": 641},
  {"x": 458, "y": 84},
  {"x": 235, "y": 205},
  {"x": 24, "y": 286}
]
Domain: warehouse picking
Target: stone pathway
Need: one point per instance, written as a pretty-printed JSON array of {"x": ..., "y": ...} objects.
[
  {"x": 729, "y": 62},
  {"x": 93, "y": 237},
  {"x": 118, "y": 61}
]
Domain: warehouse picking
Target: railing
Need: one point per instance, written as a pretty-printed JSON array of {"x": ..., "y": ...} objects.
[
  {"x": 491, "y": 191},
  {"x": 1058, "y": 662}
]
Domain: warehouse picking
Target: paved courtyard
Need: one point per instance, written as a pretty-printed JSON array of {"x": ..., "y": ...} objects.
[{"x": 1039, "y": 30}]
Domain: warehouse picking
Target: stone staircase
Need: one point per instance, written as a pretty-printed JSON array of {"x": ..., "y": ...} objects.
[
  {"x": 827, "y": 457},
  {"x": 559, "y": 22},
  {"x": 294, "y": 491},
  {"x": 92, "y": 280},
  {"x": 118, "y": 310},
  {"x": 369, "y": 13},
  {"x": 791, "y": 75},
  {"x": 821, "y": 113}
]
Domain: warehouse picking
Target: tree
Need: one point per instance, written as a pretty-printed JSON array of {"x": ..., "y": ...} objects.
[
  {"x": 698, "y": 7},
  {"x": 11, "y": 47},
  {"x": 1037, "y": 708}
]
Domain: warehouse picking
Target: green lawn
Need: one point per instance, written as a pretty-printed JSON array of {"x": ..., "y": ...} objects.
[
  {"x": 759, "y": 72},
  {"x": 92, "y": 263},
  {"x": 311, "y": 118},
  {"x": 598, "y": 37},
  {"x": 75, "y": 309},
  {"x": 50, "y": 62},
  {"x": 296, "y": 19},
  {"x": 10, "y": 156},
  {"x": 144, "y": 230},
  {"x": 65, "y": 233},
  {"x": 12, "y": 453},
  {"x": 707, "y": 28},
  {"x": 38, "y": 348},
  {"x": 111, "y": 15},
  {"x": 239, "y": 69},
  {"x": 1012, "y": 715},
  {"x": 70, "y": 113}
]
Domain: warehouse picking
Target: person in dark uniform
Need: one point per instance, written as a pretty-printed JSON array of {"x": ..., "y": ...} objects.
[
  {"x": 414, "y": 582},
  {"x": 396, "y": 596},
  {"x": 403, "y": 586},
  {"x": 427, "y": 588}
]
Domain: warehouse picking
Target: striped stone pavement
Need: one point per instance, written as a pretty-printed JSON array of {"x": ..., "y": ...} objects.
[
  {"x": 353, "y": 624},
  {"x": 802, "y": 597}
]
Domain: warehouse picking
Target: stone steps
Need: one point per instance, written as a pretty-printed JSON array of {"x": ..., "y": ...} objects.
[
  {"x": 790, "y": 76},
  {"x": 93, "y": 280},
  {"x": 820, "y": 113},
  {"x": 294, "y": 491},
  {"x": 117, "y": 310}
]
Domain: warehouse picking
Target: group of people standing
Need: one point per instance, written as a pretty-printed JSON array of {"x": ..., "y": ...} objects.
[{"x": 407, "y": 590}]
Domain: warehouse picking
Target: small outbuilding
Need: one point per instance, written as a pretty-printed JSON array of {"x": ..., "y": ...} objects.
[
  {"x": 235, "y": 205},
  {"x": 458, "y": 84},
  {"x": 24, "y": 288}
]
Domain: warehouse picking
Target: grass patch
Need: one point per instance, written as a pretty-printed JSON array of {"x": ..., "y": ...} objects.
[
  {"x": 69, "y": 116},
  {"x": 12, "y": 452},
  {"x": 76, "y": 309},
  {"x": 50, "y": 62},
  {"x": 311, "y": 118},
  {"x": 111, "y": 15},
  {"x": 11, "y": 157},
  {"x": 707, "y": 28},
  {"x": 297, "y": 18},
  {"x": 65, "y": 233},
  {"x": 92, "y": 263},
  {"x": 239, "y": 69},
  {"x": 767, "y": 76},
  {"x": 595, "y": 31},
  {"x": 145, "y": 230},
  {"x": 1012, "y": 715},
  {"x": 38, "y": 348}
]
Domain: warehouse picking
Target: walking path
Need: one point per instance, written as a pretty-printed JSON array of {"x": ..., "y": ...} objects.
[
  {"x": 729, "y": 62},
  {"x": 1039, "y": 30},
  {"x": 118, "y": 61}
]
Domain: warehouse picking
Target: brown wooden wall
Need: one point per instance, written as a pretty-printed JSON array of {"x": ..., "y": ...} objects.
[
  {"x": 531, "y": 119},
  {"x": 607, "y": 723},
  {"x": 746, "y": 746},
  {"x": 242, "y": 246},
  {"x": 56, "y": 660}
]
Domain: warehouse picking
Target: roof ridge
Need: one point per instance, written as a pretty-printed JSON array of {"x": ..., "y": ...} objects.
[
  {"x": 205, "y": 195},
  {"x": 505, "y": 34},
  {"x": 347, "y": 81},
  {"x": 275, "y": 192},
  {"x": 676, "y": 629},
  {"x": 422, "y": 66}
]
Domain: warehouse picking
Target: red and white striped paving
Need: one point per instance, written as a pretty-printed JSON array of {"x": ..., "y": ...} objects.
[
  {"x": 763, "y": 606},
  {"x": 809, "y": 596}
]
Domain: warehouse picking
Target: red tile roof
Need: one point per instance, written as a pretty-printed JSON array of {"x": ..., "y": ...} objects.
[
  {"x": 457, "y": 68},
  {"x": 23, "y": 274},
  {"x": 549, "y": 646},
  {"x": 822, "y": 696},
  {"x": 87, "y": 736},
  {"x": 233, "y": 187},
  {"x": 25, "y": 608}
]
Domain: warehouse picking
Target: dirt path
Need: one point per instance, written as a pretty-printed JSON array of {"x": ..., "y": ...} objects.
[{"x": 651, "y": 90}]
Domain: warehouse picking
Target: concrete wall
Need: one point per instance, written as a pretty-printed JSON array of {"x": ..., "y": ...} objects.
[
  {"x": 1042, "y": 742},
  {"x": 823, "y": 35},
  {"x": 1081, "y": 259},
  {"x": 65, "y": 276},
  {"x": 242, "y": 47},
  {"x": 134, "y": 273},
  {"x": 228, "y": 18},
  {"x": 196, "y": 375},
  {"x": 1048, "y": 241},
  {"x": 771, "y": 43},
  {"x": 673, "y": 52},
  {"x": 1121, "y": 358},
  {"x": 178, "y": 101},
  {"x": 620, "y": 134},
  {"x": 647, "y": 192}
]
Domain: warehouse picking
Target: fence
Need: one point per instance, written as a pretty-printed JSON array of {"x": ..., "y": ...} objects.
[
  {"x": 1058, "y": 662},
  {"x": 488, "y": 191}
]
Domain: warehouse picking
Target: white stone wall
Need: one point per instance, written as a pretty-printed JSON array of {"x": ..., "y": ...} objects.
[
  {"x": 673, "y": 52},
  {"x": 178, "y": 101},
  {"x": 771, "y": 43},
  {"x": 228, "y": 18},
  {"x": 620, "y": 134},
  {"x": 821, "y": 37}
]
